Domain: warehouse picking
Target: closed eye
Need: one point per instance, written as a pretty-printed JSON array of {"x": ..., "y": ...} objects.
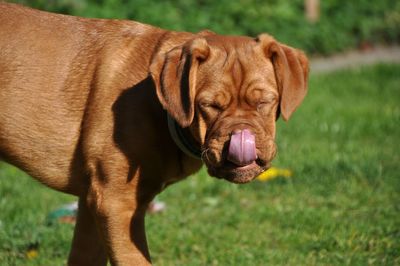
[
  {"x": 259, "y": 97},
  {"x": 268, "y": 99},
  {"x": 211, "y": 105},
  {"x": 266, "y": 102}
]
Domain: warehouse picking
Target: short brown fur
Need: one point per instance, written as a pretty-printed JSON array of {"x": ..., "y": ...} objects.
[{"x": 83, "y": 106}]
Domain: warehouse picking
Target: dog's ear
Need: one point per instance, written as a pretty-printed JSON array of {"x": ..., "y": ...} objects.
[
  {"x": 174, "y": 74},
  {"x": 291, "y": 71}
]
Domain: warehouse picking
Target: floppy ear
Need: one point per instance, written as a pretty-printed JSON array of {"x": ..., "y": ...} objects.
[
  {"x": 291, "y": 71},
  {"x": 174, "y": 74}
]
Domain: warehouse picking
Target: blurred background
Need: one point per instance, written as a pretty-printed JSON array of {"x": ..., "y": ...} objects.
[
  {"x": 318, "y": 27},
  {"x": 333, "y": 195}
]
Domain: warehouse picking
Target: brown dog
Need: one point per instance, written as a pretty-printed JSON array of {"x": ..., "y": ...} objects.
[{"x": 82, "y": 109}]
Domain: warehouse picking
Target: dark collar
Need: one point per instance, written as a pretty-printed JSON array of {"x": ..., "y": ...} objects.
[{"x": 183, "y": 139}]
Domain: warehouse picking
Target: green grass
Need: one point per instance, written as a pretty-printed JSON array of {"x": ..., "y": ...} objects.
[{"x": 341, "y": 207}]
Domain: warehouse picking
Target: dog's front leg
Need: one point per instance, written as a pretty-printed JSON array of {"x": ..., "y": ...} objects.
[
  {"x": 119, "y": 212},
  {"x": 87, "y": 247}
]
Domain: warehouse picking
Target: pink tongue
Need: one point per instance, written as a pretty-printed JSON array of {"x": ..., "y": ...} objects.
[{"x": 242, "y": 148}]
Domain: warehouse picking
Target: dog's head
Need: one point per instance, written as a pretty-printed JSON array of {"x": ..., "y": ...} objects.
[{"x": 229, "y": 91}]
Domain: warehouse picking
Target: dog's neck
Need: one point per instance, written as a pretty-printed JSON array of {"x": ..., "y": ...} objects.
[{"x": 183, "y": 139}]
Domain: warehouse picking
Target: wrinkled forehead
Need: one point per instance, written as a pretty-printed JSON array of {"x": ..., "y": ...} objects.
[{"x": 239, "y": 62}]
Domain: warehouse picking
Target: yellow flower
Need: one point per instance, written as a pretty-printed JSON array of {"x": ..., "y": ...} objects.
[
  {"x": 31, "y": 254},
  {"x": 274, "y": 172}
]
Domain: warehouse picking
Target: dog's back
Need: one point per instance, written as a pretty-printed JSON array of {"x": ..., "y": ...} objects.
[
  {"x": 36, "y": 105},
  {"x": 48, "y": 64}
]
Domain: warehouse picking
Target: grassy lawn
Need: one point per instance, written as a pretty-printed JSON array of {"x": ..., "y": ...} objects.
[{"x": 340, "y": 207}]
